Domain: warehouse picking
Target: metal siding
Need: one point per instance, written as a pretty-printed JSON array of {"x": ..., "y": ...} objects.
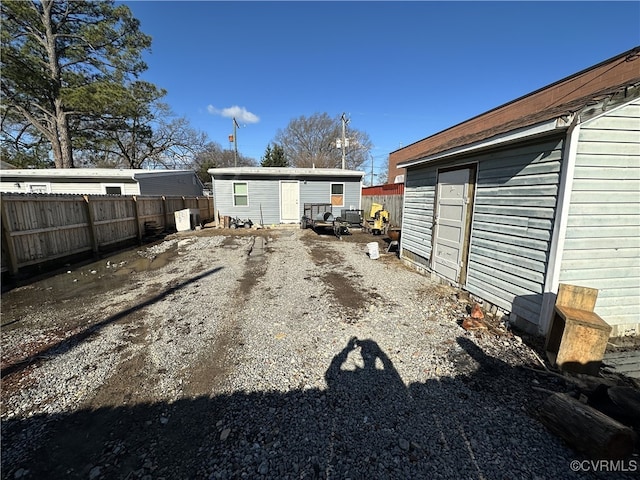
[
  {"x": 179, "y": 183},
  {"x": 602, "y": 247},
  {"x": 386, "y": 189}
]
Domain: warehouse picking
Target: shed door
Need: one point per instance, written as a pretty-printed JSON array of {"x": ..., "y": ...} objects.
[
  {"x": 289, "y": 193},
  {"x": 451, "y": 223}
]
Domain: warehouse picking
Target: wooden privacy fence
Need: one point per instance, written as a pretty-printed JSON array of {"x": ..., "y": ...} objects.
[
  {"x": 37, "y": 228},
  {"x": 391, "y": 196}
]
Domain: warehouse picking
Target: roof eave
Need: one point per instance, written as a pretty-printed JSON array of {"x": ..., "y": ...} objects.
[
  {"x": 540, "y": 129},
  {"x": 283, "y": 172}
]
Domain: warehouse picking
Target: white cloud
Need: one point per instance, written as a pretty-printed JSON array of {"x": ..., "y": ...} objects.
[{"x": 239, "y": 113}]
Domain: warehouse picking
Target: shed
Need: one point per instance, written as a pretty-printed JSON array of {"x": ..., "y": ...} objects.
[
  {"x": 101, "y": 181},
  {"x": 540, "y": 191},
  {"x": 276, "y": 195}
]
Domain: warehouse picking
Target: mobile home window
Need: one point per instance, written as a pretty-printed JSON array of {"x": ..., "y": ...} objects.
[
  {"x": 39, "y": 188},
  {"x": 113, "y": 190},
  {"x": 240, "y": 195},
  {"x": 337, "y": 194}
]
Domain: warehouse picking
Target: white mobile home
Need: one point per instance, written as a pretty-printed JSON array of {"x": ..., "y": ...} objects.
[
  {"x": 275, "y": 195},
  {"x": 540, "y": 191},
  {"x": 101, "y": 181}
]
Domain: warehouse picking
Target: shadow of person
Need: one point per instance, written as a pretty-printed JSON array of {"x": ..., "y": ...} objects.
[
  {"x": 367, "y": 424},
  {"x": 369, "y": 405},
  {"x": 362, "y": 363}
]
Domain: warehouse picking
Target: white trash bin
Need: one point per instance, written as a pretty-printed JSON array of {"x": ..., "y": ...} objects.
[{"x": 373, "y": 250}]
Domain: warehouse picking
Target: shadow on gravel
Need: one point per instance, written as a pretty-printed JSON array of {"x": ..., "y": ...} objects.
[
  {"x": 59, "y": 348},
  {"x": 366, "y": 424}
]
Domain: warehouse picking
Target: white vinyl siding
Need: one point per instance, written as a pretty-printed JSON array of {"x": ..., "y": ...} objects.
[
  {"x": 39, "y": 187},
  {"x": 515, "y": 203},
  {"x": 90, "y": 181},
  {"x": 92, "y": 188},
  {"x": 113, "y": 188},
  {"x": 263, "y": 202},
  {"x": 512, "y": 221},
  {"x": 319, "y": 191},
  {"x": 264, "y": 195},
  {"x": 602, "y": 243},
  {"x": 417, "y": 217}
]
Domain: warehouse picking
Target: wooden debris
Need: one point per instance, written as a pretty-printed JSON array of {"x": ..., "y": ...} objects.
[
  {"x": 619, "y": 402},
  {"x": 586, "y": 429}
]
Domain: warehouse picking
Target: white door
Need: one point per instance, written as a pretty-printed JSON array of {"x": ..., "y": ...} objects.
[
  {"x": 289, "y": 193},
  {"x": 450, "y": 223}
]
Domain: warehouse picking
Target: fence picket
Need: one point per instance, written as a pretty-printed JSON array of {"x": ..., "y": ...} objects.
[{"x": 37, "y": 228}]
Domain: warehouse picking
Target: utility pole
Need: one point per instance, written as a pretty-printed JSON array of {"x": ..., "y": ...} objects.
[
  {"x": 235, "y": 142},
  {"x": 344, "y": 138},
  {"x": 371, "y": 170}
]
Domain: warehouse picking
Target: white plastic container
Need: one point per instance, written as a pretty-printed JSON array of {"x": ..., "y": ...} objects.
[
  {"x": 187, "y": 219},
  {"x": 373, "y": 250}
]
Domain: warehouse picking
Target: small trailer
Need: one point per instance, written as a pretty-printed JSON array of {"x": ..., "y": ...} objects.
[{"x": 319, "y": 217}]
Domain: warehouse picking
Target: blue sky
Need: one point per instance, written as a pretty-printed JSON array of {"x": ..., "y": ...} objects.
[{"x": 401, "y": 71}]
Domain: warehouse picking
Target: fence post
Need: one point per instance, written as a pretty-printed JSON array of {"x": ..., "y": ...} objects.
[
  {"x": 11, "y": 249},
  {"x": 210, "y": 208},
  {"x": 184, "y": 203},
  {"x": 92, "y": 227},
  {"x": 138, "y": 228},
  {"x": 164, "y": 213}
]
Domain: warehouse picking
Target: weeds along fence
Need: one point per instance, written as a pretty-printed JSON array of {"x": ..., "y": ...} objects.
[{"x": 39, "y": 228}]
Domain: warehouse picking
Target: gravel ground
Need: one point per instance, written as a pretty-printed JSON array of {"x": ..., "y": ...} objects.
[{"x": 265, "y": 354}]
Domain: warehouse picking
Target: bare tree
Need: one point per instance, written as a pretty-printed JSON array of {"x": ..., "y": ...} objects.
[
  {"x": 212, "y": 155},
  {"x": 312, "y": 142}
]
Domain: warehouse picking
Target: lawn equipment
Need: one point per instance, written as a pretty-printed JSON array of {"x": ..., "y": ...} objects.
[
  {"x": 378, "y": 223},
  {"x": 237, "y": 223}
]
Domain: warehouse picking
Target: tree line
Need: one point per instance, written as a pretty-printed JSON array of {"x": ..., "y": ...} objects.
[{"x": 72, "y": 96}]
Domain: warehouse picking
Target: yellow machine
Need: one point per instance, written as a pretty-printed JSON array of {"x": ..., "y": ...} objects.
[{"x": 378, "y": 223}]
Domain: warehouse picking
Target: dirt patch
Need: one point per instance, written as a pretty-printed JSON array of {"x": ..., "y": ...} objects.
[
  {"x": 342, "y": 284},
  {"x": 213, "y": 366},
  {"x": 344, "y": 291}
]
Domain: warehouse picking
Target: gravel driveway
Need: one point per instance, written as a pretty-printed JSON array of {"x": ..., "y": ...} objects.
[{"x": 264, "y": 354}]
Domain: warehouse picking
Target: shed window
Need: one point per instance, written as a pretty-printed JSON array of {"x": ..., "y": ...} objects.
[
  {"x": 240, "y": 195},
  {"x": 337, "y": 194}
]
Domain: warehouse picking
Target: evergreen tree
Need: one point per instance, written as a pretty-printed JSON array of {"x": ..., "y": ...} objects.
[
  {"x": 274, "y": 157},
  {"x": 65, "y": 64}
]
